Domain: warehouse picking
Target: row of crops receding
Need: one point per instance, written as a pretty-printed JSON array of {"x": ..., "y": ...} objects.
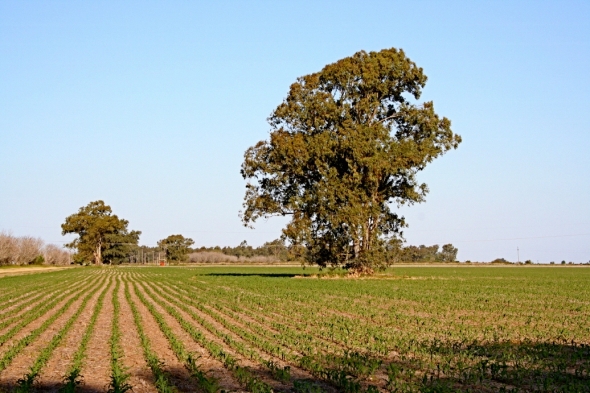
[{"x": 423, "y": 329}]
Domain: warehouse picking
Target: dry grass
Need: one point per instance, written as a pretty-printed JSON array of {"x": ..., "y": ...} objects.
[{"x": 218, "y": 257}]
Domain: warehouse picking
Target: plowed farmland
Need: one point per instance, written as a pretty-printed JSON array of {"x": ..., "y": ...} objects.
[{"x": 176, "y": 329}]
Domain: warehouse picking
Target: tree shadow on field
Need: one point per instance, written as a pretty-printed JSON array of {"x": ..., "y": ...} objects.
[
  {"x": 498, "y": 366},
  {"x": 181, "y": 382},
  {"x": 433, "y": 366},
  {"x": 273, "y": 275}
]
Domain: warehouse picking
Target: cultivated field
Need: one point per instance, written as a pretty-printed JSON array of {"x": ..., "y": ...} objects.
[{"x": 416, "y": 329}]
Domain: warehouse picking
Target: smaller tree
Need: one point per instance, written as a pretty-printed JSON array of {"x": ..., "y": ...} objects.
[
  {"x": 176, "y": 247},
  {"x": 98, "y": 231},
  {"x": 448, "y": 253}
]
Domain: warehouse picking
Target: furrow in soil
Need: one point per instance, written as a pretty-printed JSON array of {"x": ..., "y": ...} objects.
[
  {"x": 140, "y": 375},
  {"x": 96, "y": 370}
]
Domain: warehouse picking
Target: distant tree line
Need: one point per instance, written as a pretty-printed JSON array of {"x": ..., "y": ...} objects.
[
  {"x": 279, "y": 250},
  {"x": 103, "y": 237},
  {"x": 423, "y": 253},
  {"x": 276, "y": 249},
  {"x": 28, "y": 250}
]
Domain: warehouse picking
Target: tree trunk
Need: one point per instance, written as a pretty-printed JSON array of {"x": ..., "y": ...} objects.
[
  {"x": 98, "y": 254},
  {"x": 356, "y": 248}
]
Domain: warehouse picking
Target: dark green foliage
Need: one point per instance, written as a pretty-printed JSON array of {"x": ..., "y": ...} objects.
[
  {"x": 38, "y": 260},
  {"x": 345, "y": 145},
  {"x": 448, "y": 253},
  {"x": 282, "y": 374},
  {"x": 176, "y": 247},
  {"x": 424, "y": 253},
  {"x": 301, "y": 386},
  {"x": 500, "y": 261},
  {"x": 101, "y": 234},
  {"x": 71, "y": 381},
  {"x": 119, "y": 376},
  {"x": 118, "y": 382}
]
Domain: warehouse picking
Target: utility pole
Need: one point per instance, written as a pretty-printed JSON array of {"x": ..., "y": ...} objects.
[{"x": 518, "y": 253}]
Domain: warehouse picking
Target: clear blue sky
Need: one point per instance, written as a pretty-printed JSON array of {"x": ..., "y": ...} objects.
[{"x": 151, "y": 105}]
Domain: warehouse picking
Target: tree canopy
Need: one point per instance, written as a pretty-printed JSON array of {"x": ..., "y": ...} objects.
[
  {"x": 177, "y": 247},
  {"x": 424, "y": 253},
  {"x": 345, "y": 145},
  {"x": 101, "y": 234}
]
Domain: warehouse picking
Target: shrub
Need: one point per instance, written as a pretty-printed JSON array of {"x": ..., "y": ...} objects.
[{"x": 500, "y": 260}]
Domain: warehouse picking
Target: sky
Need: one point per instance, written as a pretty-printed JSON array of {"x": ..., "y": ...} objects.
[{"x": 150, "y": 106}]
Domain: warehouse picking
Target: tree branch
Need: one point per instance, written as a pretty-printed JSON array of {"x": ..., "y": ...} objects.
[{"x": 390, "y": 117}]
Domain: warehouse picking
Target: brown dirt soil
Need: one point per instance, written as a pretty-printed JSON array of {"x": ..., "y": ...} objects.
[
  {"x": 140, "y": 375},
  {"x": 97, "y": 367},
  {"x": 23, "y": 361},
  {"x": 206, "y": 362},
  {"x": 52, "y": 375},
  {"x": 179, "y": 376},
  {"x": 255, "y": 367}
]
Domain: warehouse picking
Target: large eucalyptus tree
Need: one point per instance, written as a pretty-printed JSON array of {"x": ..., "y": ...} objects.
[{"x": 345, "y": 147}]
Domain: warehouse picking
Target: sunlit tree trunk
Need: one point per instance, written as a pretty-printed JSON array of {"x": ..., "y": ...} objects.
[{"x": 98, "y": 254}]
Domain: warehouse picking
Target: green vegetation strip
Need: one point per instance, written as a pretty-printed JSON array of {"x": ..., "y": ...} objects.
[
  {"x": 119, "y": 377},
  {"x": 29, "y": 303}
]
